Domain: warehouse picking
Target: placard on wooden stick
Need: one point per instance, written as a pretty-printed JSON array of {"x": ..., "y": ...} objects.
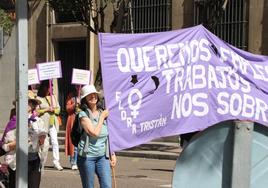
[
  {"x": 80, "y": 77},
  {"x": 33, "y": 77},
  {"x": 49, "y": 70}
]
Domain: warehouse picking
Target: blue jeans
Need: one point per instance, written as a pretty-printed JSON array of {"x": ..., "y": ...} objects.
[
  {"x": 73, "y": 159},
  {"x": 88, "y": 166}
]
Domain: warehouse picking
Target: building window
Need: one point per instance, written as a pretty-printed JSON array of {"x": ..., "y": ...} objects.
[
  {"x": 144, "y": 16},
  {"x": 225, "y": 18}
]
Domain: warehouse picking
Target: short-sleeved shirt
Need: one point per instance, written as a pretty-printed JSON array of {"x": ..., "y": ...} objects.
[{"x": 97, "y": 145}]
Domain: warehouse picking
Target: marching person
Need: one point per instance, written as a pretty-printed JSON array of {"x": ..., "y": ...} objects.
[
  {"x": 36, "y": 135},
  {"x": 49, "y": 109},
  {"x": 72, "y": 108},
  {"x": 8, "y": 144},
  {"x": 93, "y": 146}
]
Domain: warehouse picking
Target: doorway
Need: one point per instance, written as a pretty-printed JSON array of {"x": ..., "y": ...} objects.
[{"x": 72, "y": 55}]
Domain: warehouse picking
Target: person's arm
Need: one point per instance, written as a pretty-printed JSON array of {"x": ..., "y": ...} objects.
[
  {"x": 12, "y": 145},
  {"x": 57, "y": 108},
  {"x": 88, "y": 126},
  {"x": 42, "y": 111},
  {"x": 9, "y": 140},
  {"x": 9, "y": 146}
]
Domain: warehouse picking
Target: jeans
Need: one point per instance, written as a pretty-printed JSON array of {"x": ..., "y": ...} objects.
[
  {"x": 88, "y": 166},
  {"x": 73, "y": 159}
]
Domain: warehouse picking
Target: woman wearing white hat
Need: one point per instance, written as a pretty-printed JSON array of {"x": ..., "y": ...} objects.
[{"x": 93, "y": 146}]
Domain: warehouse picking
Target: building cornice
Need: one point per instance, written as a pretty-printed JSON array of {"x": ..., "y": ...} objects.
[{"x": 67, "y": 31}]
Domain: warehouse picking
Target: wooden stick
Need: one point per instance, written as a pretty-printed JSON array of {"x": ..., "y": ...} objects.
[
  {"x": 113, "y": 174},
  {"x": 51, "y": 93}
]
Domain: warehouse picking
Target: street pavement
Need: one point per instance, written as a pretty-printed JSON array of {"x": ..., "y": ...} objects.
[
  {"x": 148, "y": 165},
  {"x": 154, "y": 150}
]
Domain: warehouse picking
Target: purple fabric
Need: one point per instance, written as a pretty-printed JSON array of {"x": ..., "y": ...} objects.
[
  {"x": 169, "y": 83},
  {"x": 10, "y": 126}
]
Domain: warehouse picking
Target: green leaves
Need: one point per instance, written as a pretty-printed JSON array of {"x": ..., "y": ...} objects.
[
  {"x": 5, "y": 22},
  {"x": 83, "y": 11}
]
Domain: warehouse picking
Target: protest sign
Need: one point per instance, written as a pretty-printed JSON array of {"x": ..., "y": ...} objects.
[
  {"x": 33, "y": 77},
  {"x": 49, "y": 70},
  {"x": 175, "y": 82},
  {"x": 80, "y": 77}
]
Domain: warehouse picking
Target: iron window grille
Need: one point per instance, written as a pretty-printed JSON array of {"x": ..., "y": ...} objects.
[
  {"x": 228, "y": 19},
  {"x": 144, "y": 16}
]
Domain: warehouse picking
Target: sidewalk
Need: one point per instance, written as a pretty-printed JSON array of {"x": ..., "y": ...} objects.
[
  {"x": 151, "y": 150},
  {"x": 154, "y": 150},
  {"x": 129, "y": 173}
]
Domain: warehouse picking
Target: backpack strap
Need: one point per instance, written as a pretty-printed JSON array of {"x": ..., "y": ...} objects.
[{"x": 85, "y": 150}]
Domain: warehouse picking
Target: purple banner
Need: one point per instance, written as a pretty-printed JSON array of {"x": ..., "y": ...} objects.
[{"x": 169, "y": 83}]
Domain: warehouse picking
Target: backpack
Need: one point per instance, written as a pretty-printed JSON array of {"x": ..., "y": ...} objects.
[{"x": 77, "y": 130}]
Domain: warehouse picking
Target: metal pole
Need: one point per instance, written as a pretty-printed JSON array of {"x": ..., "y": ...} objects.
[
  {"x": 21, "y": 94},
  {"x": 242, "y": 154},
  {"x": 1, "y": 40}
]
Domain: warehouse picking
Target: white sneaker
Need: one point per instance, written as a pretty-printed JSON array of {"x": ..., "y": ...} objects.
[
  {"x": 74, "y": 167},
  {"x": 58, "y": 166}
]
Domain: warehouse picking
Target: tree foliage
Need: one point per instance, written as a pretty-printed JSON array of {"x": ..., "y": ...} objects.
[
  {"x": 5, "y": 22},
  {"x": 83, "y": 11},
  {"x": 211, "y": 12}
]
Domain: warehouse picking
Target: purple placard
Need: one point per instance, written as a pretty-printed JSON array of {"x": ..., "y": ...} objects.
[
  {"x": 175, "y": 82},
  {"x": 49, "y": 70}
]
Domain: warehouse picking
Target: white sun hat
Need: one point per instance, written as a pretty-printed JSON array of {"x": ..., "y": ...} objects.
[{"x": 88, "y": 89}]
